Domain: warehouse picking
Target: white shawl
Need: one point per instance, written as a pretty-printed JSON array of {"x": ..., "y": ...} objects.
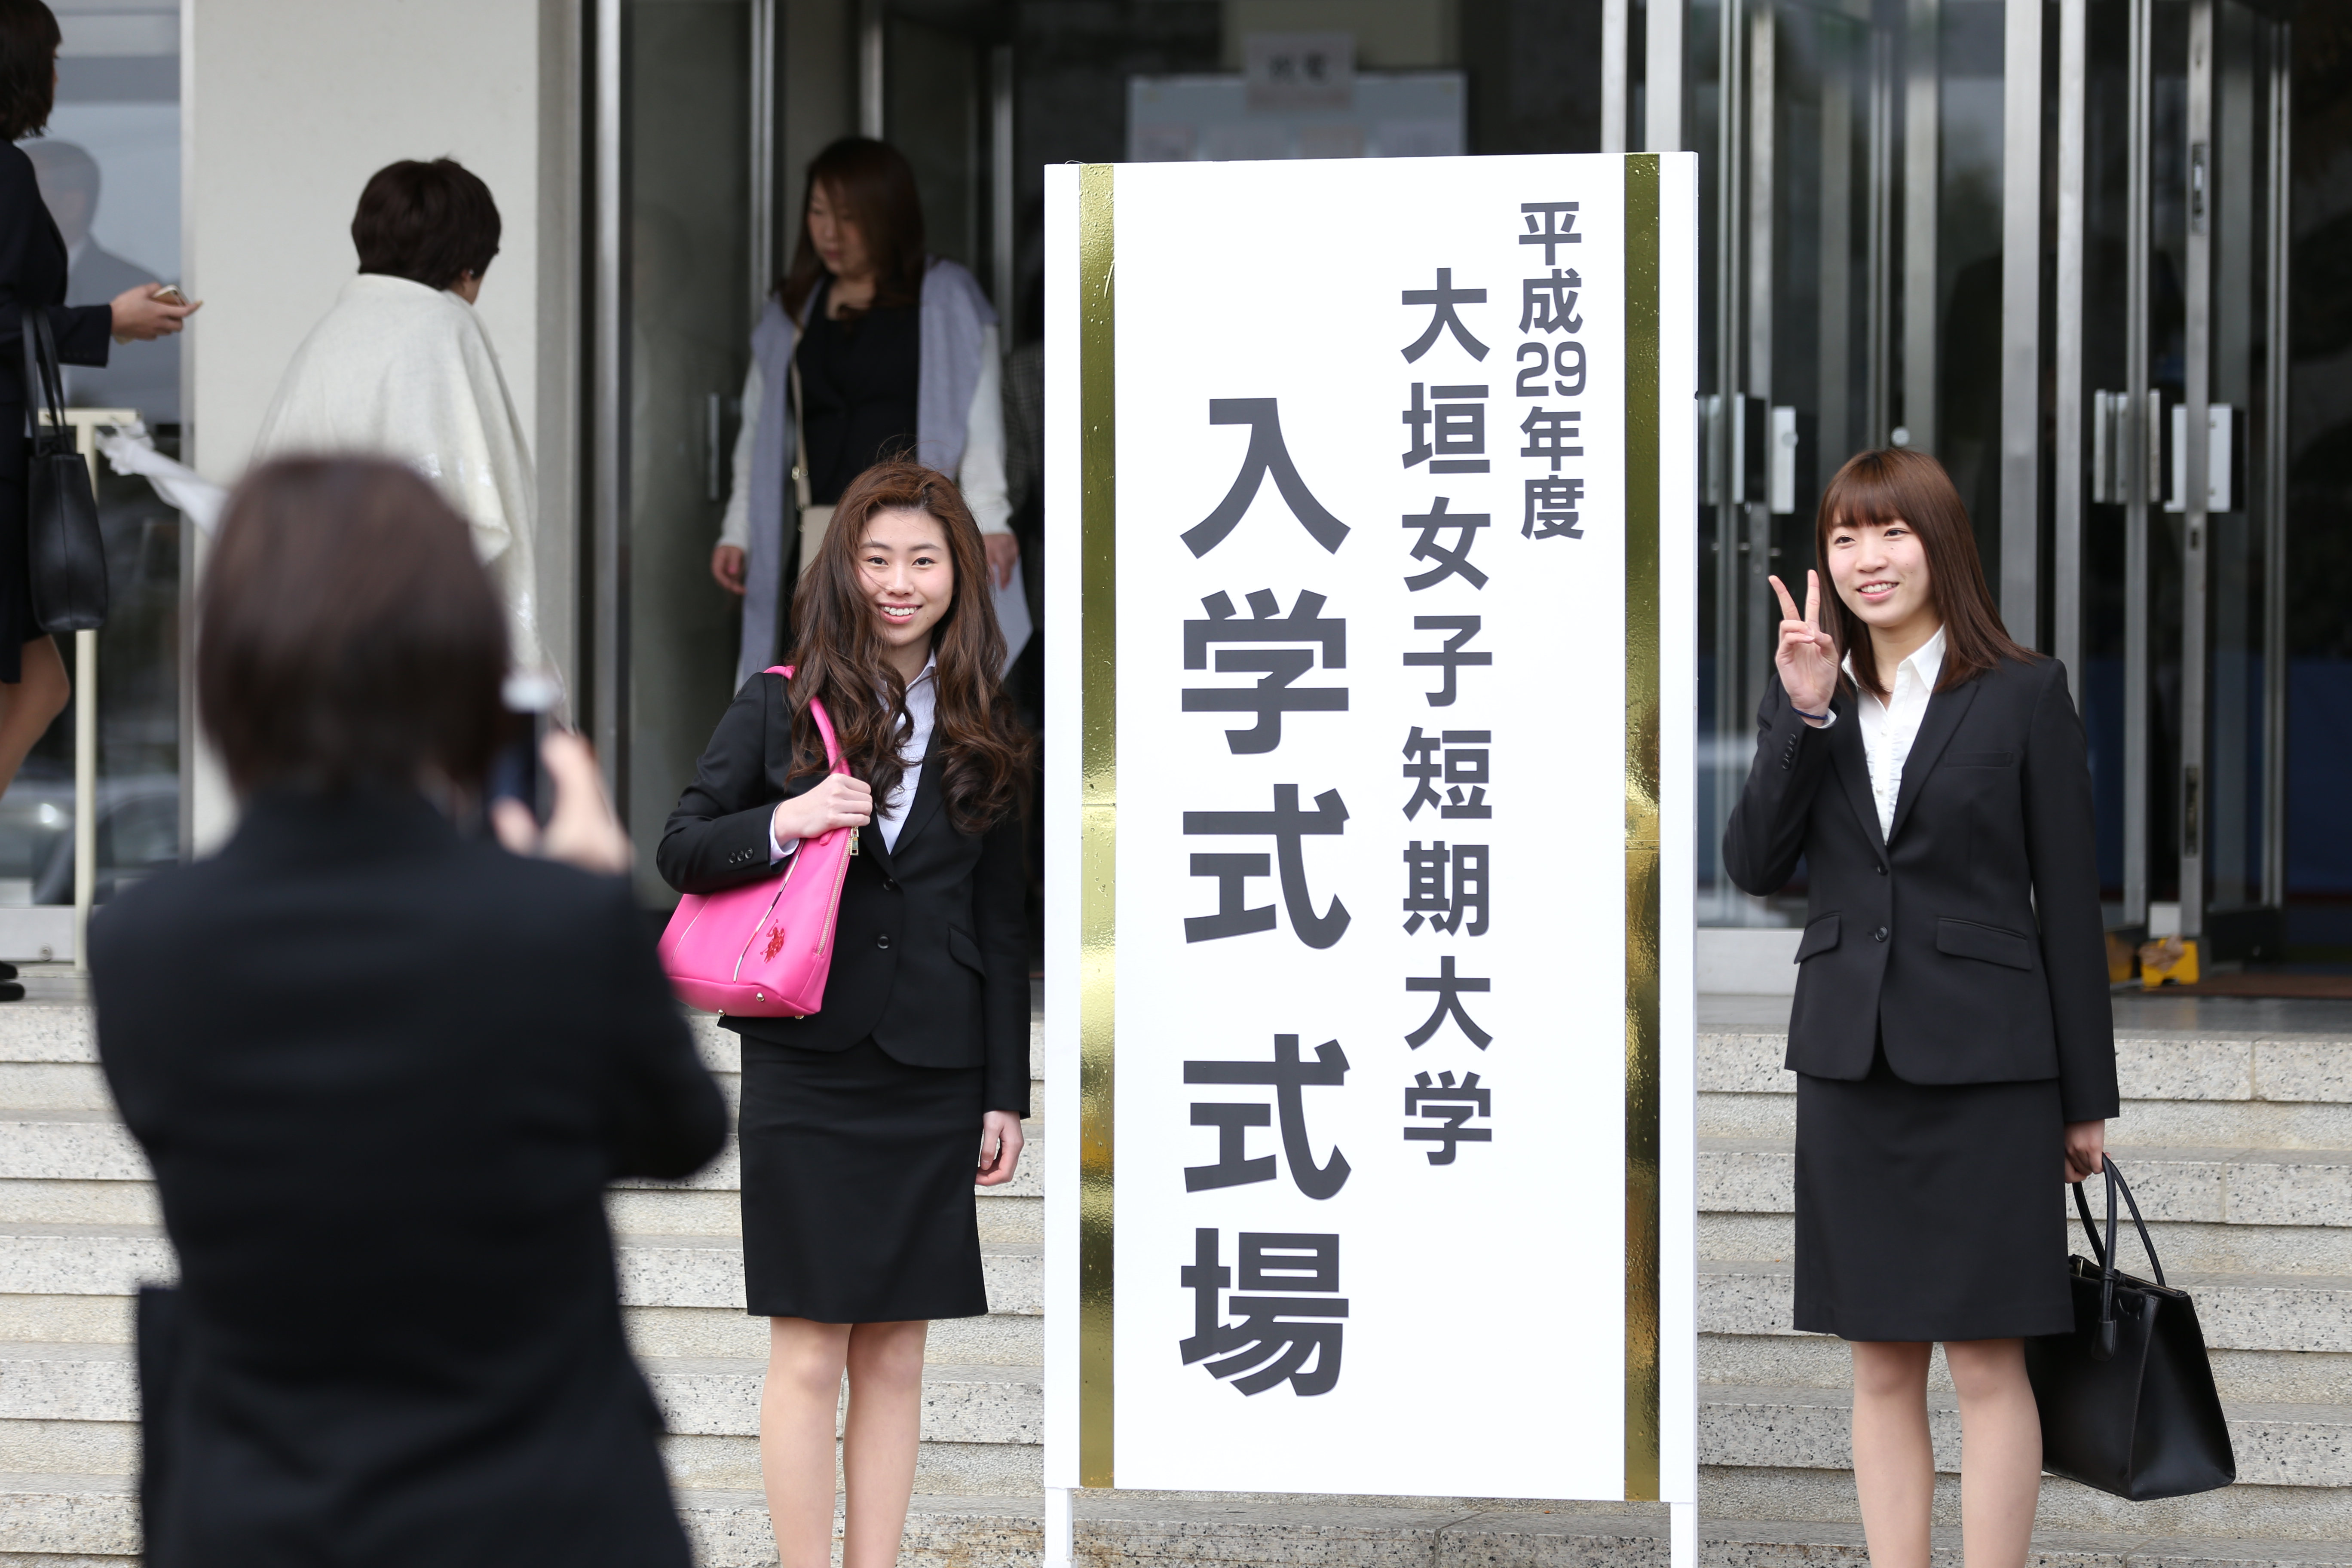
[{"x": 407, "y": 371}]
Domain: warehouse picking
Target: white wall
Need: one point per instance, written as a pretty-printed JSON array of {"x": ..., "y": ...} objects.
[{"x": 289, "y": 106}]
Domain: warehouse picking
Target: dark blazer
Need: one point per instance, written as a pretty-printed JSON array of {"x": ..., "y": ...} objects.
[
  {"x": 1969, "y": 939},
  {"x": 930, "y": 956},
  {"x": 384, "y": 1074},
  {"x": 33, "y": 274}
]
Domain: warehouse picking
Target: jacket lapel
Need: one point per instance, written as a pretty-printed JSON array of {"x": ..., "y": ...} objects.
[
  {"x": 1944, "y": 709},
  {"x": 1854, "y": 769},
  {"x": 926, "y": 804}
]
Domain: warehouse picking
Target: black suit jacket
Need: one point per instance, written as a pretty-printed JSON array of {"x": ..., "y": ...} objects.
[
  {"x": 1969, "y": 939},
  {"x": 930, "y": 956},
  {"x": 384, "y": 1074},
  {"x": 33, "y": 275}
]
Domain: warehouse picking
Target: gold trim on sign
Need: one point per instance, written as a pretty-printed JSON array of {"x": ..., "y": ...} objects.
[
  {"x": 1097, "y": 815},
  {"x": 1642, "y": 869}
]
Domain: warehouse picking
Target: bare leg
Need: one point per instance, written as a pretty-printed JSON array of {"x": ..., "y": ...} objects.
[
  {"x": 797, "y": 1407},
  {"x": 1893, "y": 1463},
  {"x": 2000, "y": 1450},
  {"x": 878, "y": 1445},
  {"x": 29, "y": 708}
]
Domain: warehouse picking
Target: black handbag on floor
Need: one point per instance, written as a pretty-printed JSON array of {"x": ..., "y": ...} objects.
[
  {"x": 2127, "y": 1401},
  {"x": 66, "y": 552}
]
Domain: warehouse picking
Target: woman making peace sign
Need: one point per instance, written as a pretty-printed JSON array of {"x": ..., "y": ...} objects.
[{"x": 1952, "y": 1033}]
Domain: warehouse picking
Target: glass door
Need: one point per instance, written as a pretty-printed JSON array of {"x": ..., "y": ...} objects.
[{"x": 2172, "y": 626}]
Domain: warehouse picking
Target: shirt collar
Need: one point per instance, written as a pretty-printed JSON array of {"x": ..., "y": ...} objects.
[{"x": 1927, "y": 661}]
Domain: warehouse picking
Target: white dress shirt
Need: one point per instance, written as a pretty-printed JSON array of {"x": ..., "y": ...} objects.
[
  {"x": 922, "y": 703},
  {"x": 1888, "y": 728}
]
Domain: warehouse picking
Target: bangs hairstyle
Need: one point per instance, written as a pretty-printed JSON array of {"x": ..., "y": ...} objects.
[
  {"x": 28, "y": 53},
  {"x": 871, "y": 184},
  {"x": 978, "y": 742},
  {"x": 348, "y": 635},
  {"x": 1900, "y": 485},
  {"x": 429, "y": 223}
]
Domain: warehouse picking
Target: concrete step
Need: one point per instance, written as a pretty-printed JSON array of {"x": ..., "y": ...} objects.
[
  {"x": 2319, "y": 1250},
  {"x": 1809, "y": 1429},
  {"x": 2275, "y": 1524},
  {"x": 1819, "y": 1361},
  {"x": 655, "y": 1270},
  {"x": 1000, "y": 1339},
  {"x": 2236, "y": 1311},
  {"x": 2195, "y": 1186}
]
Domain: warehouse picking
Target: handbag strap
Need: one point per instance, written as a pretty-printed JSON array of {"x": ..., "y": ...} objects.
[
  {"x": 800, "y": 435},
  {"x": 833, "y": 756},
  {"x": 43, "y": 382},
  {"x": 2106, "y": 1345}
]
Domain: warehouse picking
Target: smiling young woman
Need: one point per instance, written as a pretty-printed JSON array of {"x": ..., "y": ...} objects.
[
  {"x": 1951, "y": 1032},
  {"x": 859, "y": 1121}
]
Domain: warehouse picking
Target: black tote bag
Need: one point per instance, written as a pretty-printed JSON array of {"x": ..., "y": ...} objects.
[
  {"x": 66, "y": 553},
  {"x": 2127, "y": 1401}
]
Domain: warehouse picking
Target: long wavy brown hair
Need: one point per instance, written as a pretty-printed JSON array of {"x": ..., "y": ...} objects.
[
  {"x": 1898, "y": 484},
  {"x": 979, "y": 744}
]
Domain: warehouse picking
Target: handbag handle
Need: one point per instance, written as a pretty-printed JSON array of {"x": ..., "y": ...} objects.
[
  {"x": 2104, "y": 1347},
  {"x": 43, "y": 382},
  {"x": 834, "y": 761}
]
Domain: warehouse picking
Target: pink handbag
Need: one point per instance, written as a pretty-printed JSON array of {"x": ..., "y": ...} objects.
[{"x": 764, "y": 949}]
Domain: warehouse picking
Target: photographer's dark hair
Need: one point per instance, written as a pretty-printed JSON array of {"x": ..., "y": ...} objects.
[
  {"x": 871, "y": 184},
  {"x": 429, "y": 223},
  {"x": 348, "y": 636},
  {"x": 28, "y": 55},
  {"x": 977, "y": 742},
  {"x": 1898, "y": 484}
]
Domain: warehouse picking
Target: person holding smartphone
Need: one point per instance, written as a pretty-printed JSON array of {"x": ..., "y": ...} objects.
[{"x": 1951, "y": 1032}]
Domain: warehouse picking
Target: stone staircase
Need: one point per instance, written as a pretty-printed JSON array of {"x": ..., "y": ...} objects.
[{"x": 2240, "y": 1146}]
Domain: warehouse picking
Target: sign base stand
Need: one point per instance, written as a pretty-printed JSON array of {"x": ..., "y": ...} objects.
[
  {"x": 1059, "y": 1530},
  {"x": 1682, "y": 1534}
]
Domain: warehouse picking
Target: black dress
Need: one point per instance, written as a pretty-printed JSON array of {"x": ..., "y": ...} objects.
[
  {"x": 860, "y": 1123},
  {"x": 860, "y": 379},
  {"x": 32, "y": 276},
  {"x": 1951, "y": 1012}
]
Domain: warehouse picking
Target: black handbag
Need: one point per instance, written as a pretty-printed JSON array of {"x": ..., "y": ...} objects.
[
  {"x": 2127, "y": 1401},
  {"x": 65, "y": 550}
]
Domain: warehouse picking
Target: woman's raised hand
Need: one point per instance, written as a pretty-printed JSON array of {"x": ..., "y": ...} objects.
[
  {"x": 1808, "y": 660},
  {"x": 140, "y": 316},
  {"x": 836, "y": 801}
]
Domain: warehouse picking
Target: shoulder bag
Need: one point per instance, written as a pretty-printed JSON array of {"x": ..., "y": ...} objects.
[
  {"x": 813, "y": 519},
  {"x": 66, "y": 554},
  {"x": 764, "y": 949},
  {"x": 2128, "y": 1406}
]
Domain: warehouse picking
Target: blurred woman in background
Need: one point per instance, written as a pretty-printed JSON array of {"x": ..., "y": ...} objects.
[
  {"x": 870, "y": 349},
  {"x": 402, "y": 367},
  {"x": 384, "y": 1071}
]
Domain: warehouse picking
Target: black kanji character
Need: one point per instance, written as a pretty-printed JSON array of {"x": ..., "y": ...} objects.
[
  {"x": 1450, "y": 992},
  {"x": 1444, "y": 297},
  {"x": 1287, "y": 824},
  {"x": 1558, "y": 228},
  {"x": 1453, "y": 563},
  {"x": 1288, "y": 1076},
  {"x": 1267, "y": 455},
  {"x": 1445, "y": 887},
  {"x": 1452, "y": 1106},
  {"x": 1450, "y": 658},
  {"x": 1548, "y": 432},
  {"x": 1274, "y": 695},
  {"x": 1551, "y": 507},
  {"x": 1276, "y": 1334}
]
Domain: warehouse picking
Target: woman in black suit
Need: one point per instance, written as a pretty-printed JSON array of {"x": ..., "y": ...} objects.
[
  {"x": 1951, "y": 1032},
  {"x": 859, "y": 1123},
  {"x": 385, "y": 1072},
  {"x": 33, "y": 263}
]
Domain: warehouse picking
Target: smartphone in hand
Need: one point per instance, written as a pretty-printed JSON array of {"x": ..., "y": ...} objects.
[{"x": 518, "y": 773}]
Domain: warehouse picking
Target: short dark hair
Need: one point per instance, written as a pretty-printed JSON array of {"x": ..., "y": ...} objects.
[
  {"x": 28, "y": 55},
  {"x": 429, "y": 223},
  {"x": 348, "y": 636}
]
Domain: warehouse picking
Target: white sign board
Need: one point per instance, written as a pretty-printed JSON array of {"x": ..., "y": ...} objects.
[{"x": 1370, "y": 791}]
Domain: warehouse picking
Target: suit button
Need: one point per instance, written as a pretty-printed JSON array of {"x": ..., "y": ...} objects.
[
  {"x": 1878, "y": 935},
  {"x": 883, "y": 940},
  {"x": 890, "y": 884},
  {"x": 1880, "y": 869}
]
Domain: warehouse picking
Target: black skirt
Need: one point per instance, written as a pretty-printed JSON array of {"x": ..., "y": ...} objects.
[
  {"x": 858, "y": 1186},
  {"x": 1930, "y": 1210}
]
